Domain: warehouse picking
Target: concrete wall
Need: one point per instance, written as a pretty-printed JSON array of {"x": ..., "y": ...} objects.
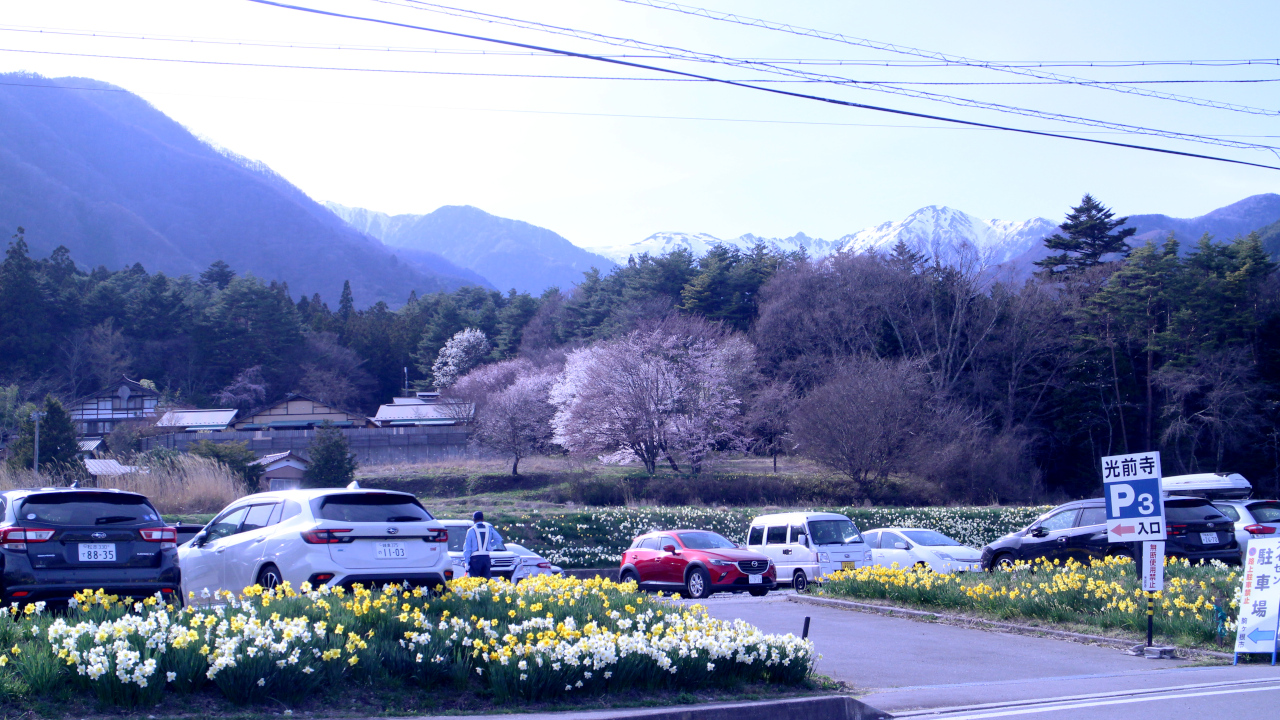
[{"x": 372, "y": 446}]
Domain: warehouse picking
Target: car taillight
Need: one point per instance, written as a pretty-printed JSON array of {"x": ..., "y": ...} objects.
[
  {"x": 436, "y": 536},
  {"x": 166, "y": 536},
  {"x": 544, "y": 565},
  {"x": 1256, "y": 529},
  {"x": 320, "y": 578},
  {"x": 326, "y": 537},
  {"x": 1177, "y": 529},
  {"x": 16, "y": 538}
]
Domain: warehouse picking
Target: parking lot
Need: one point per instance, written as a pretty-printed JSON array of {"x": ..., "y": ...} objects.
[{"x": 905, "y": 667}]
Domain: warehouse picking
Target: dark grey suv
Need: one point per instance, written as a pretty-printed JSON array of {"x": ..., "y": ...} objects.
[{"x": 55, "y": 542}]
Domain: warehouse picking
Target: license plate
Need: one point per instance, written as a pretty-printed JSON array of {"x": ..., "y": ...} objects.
[
  {"x": 846, "y": 565},
  {"x": 389, "y": 551},
  {"x": 1209, "y": 538},
  {"x": 97, "y": 552},
  {"x": 755, "y": 579}
]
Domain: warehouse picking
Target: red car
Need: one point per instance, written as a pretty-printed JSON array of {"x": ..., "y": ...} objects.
[{"x": 696, "y": 563}]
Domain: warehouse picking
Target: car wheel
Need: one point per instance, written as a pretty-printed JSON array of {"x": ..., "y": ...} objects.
[
  {"x": 921, "y": 566},
  {"x": 269, "y": 577},
  {"x": 758, "y": 592},
  {"x": 630, "y": 576},
  {"x": 798, "y": 581},
  {"x": 698, "y": 584},
  {"x": 1004, "y": 561}
]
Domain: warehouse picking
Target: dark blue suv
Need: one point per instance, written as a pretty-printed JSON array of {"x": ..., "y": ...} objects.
[{"x": 55, "y": 542}]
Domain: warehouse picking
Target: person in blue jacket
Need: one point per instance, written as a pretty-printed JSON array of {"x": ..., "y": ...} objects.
[{"x": 481, "y": 537}]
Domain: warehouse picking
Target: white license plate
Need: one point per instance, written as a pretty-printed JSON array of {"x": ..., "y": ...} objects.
[
  {"x": 1209, "y": 538},
  {"x": 97, "y": 552},
  {"x": 389, "y": 551},
  {"x": 755, "y": 579},
  {"x": 848, "y": 565}
]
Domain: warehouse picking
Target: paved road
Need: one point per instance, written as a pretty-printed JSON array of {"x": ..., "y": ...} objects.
[{"x": 906, "y": 666}]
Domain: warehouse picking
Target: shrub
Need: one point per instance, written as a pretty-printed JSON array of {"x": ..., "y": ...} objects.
[
  {"x": 332, "y": 462},
  {"x": 236, "y": 456}
]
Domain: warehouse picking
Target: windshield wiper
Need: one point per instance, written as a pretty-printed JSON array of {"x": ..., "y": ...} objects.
[{"x": 114, "y": 519}]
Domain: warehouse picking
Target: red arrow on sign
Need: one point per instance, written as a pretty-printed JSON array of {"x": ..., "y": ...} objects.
[{"x": 1122, "y": 529}]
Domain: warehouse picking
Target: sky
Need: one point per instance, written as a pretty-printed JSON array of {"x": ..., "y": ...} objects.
[{"x": 607, "y": 162}]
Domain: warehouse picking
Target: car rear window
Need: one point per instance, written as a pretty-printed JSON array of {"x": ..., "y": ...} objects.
[
  {"x": 1192, "y": 511},
  {"x": 1265, "y": 512},
  {"x": 373, "y": 507},
  {"x": 89, "y": 508}
]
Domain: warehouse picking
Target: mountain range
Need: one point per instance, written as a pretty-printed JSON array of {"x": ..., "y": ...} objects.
[
  {"x": 90, "y": 166},
  {"x": 953, "y": 235},
  {"x": 508, "y": 253}
]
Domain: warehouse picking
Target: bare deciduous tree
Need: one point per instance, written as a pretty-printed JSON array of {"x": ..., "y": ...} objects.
[{"x": 108, "y": 352}]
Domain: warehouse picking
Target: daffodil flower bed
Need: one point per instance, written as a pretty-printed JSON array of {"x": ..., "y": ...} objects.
[
  {"x": 543, "y": 639},
  {"x": 1198, "y": 605}
]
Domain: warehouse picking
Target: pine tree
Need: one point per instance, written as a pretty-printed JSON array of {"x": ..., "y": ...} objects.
[
  {"x": 1090, "y": 235},
  {"x": 58, "y": 446},
  {"x": 346, "y": 304},
  {"x": 218, "y": 275},
  {"x": 332, "y": 462}
]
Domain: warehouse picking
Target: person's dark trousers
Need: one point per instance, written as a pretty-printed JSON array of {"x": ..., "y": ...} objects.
[{"x": 479, "y": 566}]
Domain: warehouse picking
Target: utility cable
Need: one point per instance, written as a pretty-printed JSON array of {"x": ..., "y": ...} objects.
[
  {"x": 776, "y": 91},
  {"x": 682, "y": 54},
  {"x": 949, "y": 59}
]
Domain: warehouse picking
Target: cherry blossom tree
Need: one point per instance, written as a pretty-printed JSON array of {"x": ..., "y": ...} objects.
[
  {"x": 671, "y": 390},
  {"x": 462, "y": 352}
]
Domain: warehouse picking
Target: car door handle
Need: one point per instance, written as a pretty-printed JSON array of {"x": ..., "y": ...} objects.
[
  {"x": 259, "y": 540},
  {"x": 1062, "y": 539},
  {"x": 221, "y": 550},
  {"x": 786, "y": 552}
]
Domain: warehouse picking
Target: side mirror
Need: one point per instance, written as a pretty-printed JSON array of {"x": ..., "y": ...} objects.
[
  {"x": 902, "y": 546},
  {"x": 199, "y": 539},
  {"x": 1039, "y": 532},
  {"x": 802, "y": 540},
  {"x": 670, "y": 549}
]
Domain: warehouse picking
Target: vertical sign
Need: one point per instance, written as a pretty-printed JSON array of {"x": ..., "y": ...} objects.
[
  {"x": 1259, "y": 597},
  {"x": 1131, "y": 486},
  {"x": 1153, "y": 565}
]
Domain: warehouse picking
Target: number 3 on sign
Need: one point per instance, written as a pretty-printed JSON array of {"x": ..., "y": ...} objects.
[{"x": 1145, "y": 504}]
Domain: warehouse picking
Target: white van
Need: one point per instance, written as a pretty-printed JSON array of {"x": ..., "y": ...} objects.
[{"x": 804, "y": 546}]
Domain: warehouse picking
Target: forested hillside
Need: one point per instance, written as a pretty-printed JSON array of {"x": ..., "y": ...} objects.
[{"x": 881, "y": 366}]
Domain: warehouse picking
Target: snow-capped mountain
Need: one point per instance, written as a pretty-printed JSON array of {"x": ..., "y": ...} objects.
[
  {"x": 947, "y": 233},
  {"x": 935, "y": 231}
]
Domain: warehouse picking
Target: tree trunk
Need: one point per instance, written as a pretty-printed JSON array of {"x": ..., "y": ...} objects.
[
  {"x": 1115, "y": 379},
  {"x": 515, "y": 466},
  {"x": 775, "y": 462},
  {"x": 672, "y": 461},
  {"x": 1151, "y": 402}
]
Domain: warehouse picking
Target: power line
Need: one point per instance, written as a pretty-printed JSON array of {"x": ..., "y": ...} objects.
[
  {"x": 569, "y": 113},
  {"x": 949, "y": 59},
  {"x": 695, "y": 56},
  {"x": 469, "y": 73},
  {"x": 776, "y": 91},
  {"x": 186, "y": 39}
]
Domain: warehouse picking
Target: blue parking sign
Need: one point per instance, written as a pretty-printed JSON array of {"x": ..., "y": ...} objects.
[{"x": 1131, "y": 488}]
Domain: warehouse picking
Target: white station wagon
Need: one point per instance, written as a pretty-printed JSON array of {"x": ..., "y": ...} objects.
[{"x": 332, "y": 536}]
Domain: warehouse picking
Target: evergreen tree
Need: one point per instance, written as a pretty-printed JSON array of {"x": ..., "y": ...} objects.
[
  {"x": 26, "y": 333},
  {"x": 58, "y": 446},
  {"x": 332, "y": 462},
  {"x": 1090, "y": 235},
  {"x": 346, "y": 303},
  {"x": 219, "y": 275}
]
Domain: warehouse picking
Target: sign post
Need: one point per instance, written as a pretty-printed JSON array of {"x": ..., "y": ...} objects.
[
  {"x": 1256, "y": 626},
  {"x": 1135, "y": 512},
  {"x": 1152, "y": 568}
]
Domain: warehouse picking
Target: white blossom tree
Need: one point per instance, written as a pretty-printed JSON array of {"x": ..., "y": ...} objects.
[
  {"x": 671, "y": 390},
  {"x": 462, "y": 352},
  {"x": 516, "y": 420}
]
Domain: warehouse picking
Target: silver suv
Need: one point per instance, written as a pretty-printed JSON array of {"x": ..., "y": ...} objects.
[{"x": 1252, "y": 518}]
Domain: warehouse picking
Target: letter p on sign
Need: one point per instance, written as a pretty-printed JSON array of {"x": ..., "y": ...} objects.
[{"x": 1121, "y": 495}]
